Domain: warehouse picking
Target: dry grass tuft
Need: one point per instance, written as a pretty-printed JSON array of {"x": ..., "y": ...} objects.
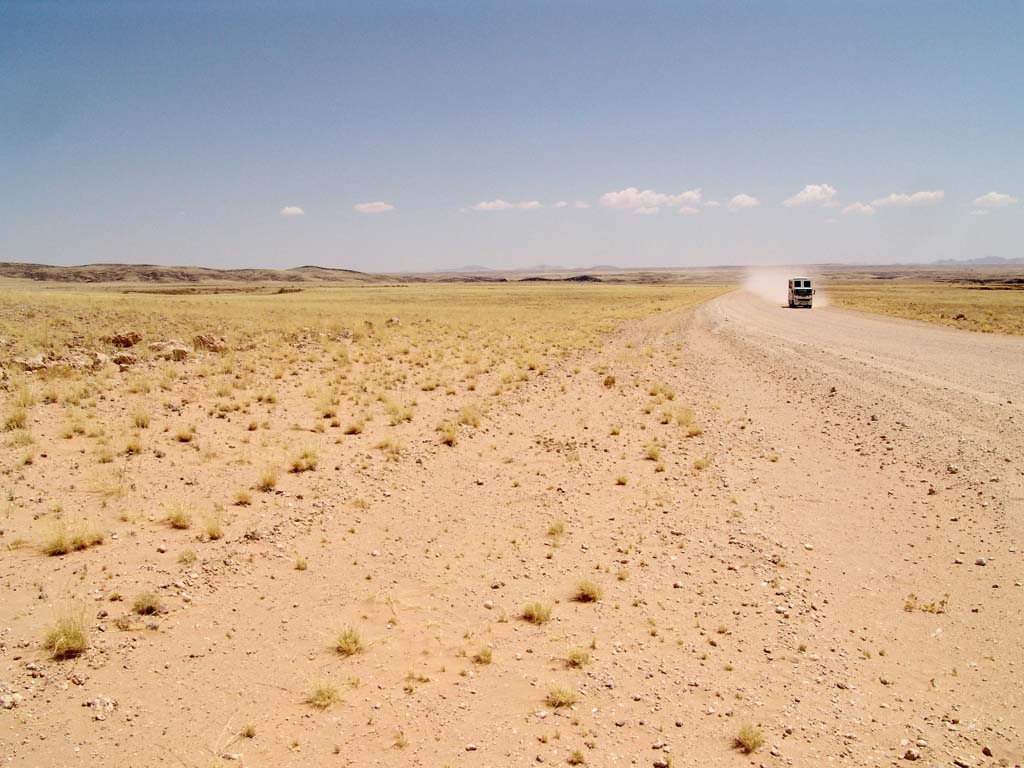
[
  {"x": 16, "y": 419},
  {"x": 146, "y": 604},
  {"x": 214, "y": 526},
  {"x": 469, "y": 416},
  {"x": 304, "y": 462},
  {"x": 587, "y": 592},
  {"x": 178, "y": 518},
  {"x": 577, "y": 658},
  {"x": 749, "y": 739},
  {"x": 323, "y": 696},
  {"x": 72, "y": 537},
  {"x": 267, "y": 481},
  {"x": 537, "y": 613},
  {"x": 348, "y": 642},
  {"x": 68, "y": 637},
  {"x": 392, "y": 448},
  {"x": 559, "y": 696},
  {"x": 483, "y": 657},
  {"x": 449, "y": 433}
]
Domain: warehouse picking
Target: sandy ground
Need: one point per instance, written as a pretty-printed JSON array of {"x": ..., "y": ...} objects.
[{"x": 844, "y": 573}]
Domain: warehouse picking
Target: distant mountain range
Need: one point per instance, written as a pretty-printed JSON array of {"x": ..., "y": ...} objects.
[
  {"x": 531, "y": 268},
  {"x": 981, "y": 261},
  {"x": 157, "y": 273}
]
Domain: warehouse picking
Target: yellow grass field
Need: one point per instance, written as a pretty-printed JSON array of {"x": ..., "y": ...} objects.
[
  {"x": 258, "y": 458},
  {"x": 969, "y": 307}
]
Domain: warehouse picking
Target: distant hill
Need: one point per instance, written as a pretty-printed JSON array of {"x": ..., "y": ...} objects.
[
  {"x": 465, "y": 268},
  {"x": 981, "y": 261},
  {"x": 154, "y": 273}
]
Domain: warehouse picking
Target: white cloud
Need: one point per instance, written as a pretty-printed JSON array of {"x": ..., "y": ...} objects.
[
  {"x": 980, "y": 212},
  {"x": 493, "y": 205},
  {"x": 712, "y": 204},
  {"x": 741, "y": 201},
  {"x": 560, "y": 204},
  {"x": 377, "y": 207},
  {"x": 581, "y": 204},
  {"x": 689, "y": 210},
  {"x": 913, "y": 200},
  {"x": 647, "y": 210},
  {"x": 292, "y": 210},
  {"x": 859, "y": 208},
  {"x": 813, "y": 194},
  {"x": 995, "y": 200},
  {"x": 504, "y": 205},
  {"x": 632, "y": 198}
]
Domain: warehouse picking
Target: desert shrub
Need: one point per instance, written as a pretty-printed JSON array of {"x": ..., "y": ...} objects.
[
  {"x": 16, "y": 419},
  {"x": 587, "y": 592},
  {"x": 146, "y": 604},
  {"x": 469, "y": 416},
  {"x": 449, "y": 433},
  {"x": 536, "y": 613},
  {"x": 577, "y": 658},
  {"x": 323, "y": 696},
  {"x": 559, "y": 696},
  {"x": 267, "y": 481},
  {"x": 72, "y": 537},
  {"x": 749, "y": 739},
  {"x": 348, "y": 642},
  {"x": 68, "y": 637},
  {"x": 178, "y": 518},
  {"x": 304, "y": 462}
]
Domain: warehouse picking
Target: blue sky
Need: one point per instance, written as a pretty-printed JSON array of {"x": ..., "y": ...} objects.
[{"x": 186, "y": 133}]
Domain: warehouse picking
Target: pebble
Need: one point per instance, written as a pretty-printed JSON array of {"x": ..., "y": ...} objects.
[
  {"x": 471, "y": 747},
  {"x": 981, "y": 561},
  {"x": 911, "y": 754}
]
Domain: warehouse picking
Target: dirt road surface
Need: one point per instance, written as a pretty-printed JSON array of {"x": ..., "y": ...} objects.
[{"x": 829, "y": 550}]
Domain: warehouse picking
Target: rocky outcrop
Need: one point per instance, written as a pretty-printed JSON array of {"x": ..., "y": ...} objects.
[
  {"x": 209, "y": 343},
  {"x": 174, "y": 349}
]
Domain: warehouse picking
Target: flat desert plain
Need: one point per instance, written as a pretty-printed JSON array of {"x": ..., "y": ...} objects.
[{"x": 505, "y": 525}]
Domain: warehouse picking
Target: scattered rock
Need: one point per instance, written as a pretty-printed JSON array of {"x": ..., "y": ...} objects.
[
  {"x": 101, "y": 706},
  {"x": 123, "y": 339},
  {"x": 170, "y": 350},
  {"x": 209, "y": 343},
  {"x": 35, "y": 363},
  {"x": 125, "y": 360}
]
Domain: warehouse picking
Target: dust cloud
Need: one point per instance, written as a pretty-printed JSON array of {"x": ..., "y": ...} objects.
[{"x": 770, "y": 283}]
